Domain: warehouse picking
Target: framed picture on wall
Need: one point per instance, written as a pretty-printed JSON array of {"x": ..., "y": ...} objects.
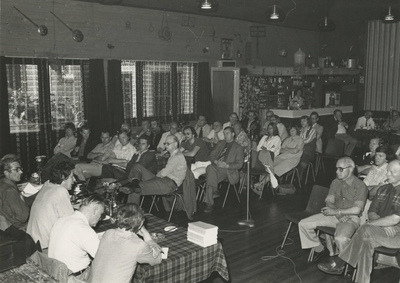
[{"x": 226, "y": 48}]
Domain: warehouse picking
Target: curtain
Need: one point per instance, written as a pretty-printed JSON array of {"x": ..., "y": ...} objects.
[
  {"x": 115, "y": 95},
  {"x": 5, "y": 140},
  {"x": 204, "y": 100},
  {"x": 96, "y": 108},
  {"x": 382, "y": 84}
]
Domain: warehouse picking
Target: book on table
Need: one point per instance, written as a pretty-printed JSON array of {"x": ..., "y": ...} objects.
[{"x": 202, "y": 234}]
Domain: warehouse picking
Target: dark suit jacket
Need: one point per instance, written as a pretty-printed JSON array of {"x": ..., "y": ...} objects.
[
  {"x": 147, "y": 160},
  {"x": 255, "y": 127},
  {"x": 234, "y": 159},
  {"x": 156, "y": 139},
  {"x": 331, "y": 128},
  {"x": 90, "y": 145}
]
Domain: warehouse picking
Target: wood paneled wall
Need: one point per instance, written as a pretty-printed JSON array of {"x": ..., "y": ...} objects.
[{"x": 109, "y": 25}]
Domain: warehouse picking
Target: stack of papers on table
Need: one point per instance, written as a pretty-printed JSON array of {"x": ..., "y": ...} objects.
[
  {"x": 31, "y": 189},
  {"x": 202, "y": 234}
]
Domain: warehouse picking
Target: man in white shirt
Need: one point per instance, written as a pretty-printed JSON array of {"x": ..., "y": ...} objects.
[
  {"x": 73, "y": 239},
  {"x": 318, "y": 129},
  {"x": 202, "y": 128},
  {"x": 283, "y": 134},
  {"x": 51, "y": 203},
  {"x": 365, "y": 122},
  {"x": 216, "y": 134},
  {"x": 233, "y": 119},
  {"x": 173, "y": 130}
]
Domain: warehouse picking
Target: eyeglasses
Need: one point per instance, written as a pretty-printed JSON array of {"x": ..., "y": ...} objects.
[
  {"x": 341, "y": 169},
  {"x": 17, "y": 169},
  {"x": 168, "y": 143}
]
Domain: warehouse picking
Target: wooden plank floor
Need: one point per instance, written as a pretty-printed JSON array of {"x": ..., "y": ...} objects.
[{"x": 245, "y": 247}]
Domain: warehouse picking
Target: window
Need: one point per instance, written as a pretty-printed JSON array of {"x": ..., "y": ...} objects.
[
  {"x": 66, "y": 95},
  {"x": 166, "y": 89},
  {"x": 23, "y": 97}
]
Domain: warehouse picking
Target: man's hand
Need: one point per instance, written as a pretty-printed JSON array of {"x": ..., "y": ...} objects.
[
  {"x": 126, "y": 190},
  {"x": 344, "y": 218},
  {"x": 390, "y": 231},
  {"x": 221, "y": 164},
  {"x": 327, "y": 211}
]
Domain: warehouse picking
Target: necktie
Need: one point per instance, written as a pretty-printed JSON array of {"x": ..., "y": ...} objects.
[
  {"x": 366, "y": 123},
  {"x": 139, "y": 155},
  {"x": 201, "y": 132}
]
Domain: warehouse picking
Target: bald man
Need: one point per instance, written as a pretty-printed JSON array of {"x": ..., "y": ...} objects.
[
  {"x": 345, "y": 202},
  {"x": 381, "y": 229}
]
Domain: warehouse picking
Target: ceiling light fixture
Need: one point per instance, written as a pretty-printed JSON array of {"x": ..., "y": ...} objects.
[
  {"x": 275, "y": 14},
  {"x": 326, "y": 24},
  {"x": 390, "y": 15},
  {"x": 207, "y": 5}
]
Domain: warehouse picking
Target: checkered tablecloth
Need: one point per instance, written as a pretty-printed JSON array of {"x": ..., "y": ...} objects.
[{"x": 187, "y": 262}]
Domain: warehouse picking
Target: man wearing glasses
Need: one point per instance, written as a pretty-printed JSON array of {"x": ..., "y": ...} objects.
[
  {"x": 344, "y": 204},
  {"x": 14, "y": 212},
  {"x": 166, "y": 181}
]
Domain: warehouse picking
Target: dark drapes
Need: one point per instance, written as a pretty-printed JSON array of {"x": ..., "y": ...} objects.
[
  {"x": 96, "y": 110},
  {"x": 204, "y": 98},
  {"x": 5, "y": 136},
  {"x": 115, "y": 95}
]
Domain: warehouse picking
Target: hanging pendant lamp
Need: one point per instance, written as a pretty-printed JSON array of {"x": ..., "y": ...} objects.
[
  {"x": 207, "y": 5},
  {"x": 326, "y": 24},
  {"x": 275, "y": 14},
  {"x": 390, "y": 15}
]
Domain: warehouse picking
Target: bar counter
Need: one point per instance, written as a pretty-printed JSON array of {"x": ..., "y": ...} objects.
[{"x": 293, "y": 114}]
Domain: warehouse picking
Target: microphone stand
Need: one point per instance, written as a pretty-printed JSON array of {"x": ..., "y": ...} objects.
[{"x": 248, "y": 222}]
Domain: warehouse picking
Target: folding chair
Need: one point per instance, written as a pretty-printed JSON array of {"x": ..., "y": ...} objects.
[
  {"x": 315, "y": 203},
  {"x": 334, "y": 150}
]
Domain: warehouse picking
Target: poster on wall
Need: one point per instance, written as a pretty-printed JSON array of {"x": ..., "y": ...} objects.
[{"x": 226, "y": 49}]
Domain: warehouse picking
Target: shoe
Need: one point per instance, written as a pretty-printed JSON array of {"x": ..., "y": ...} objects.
[
  {"x": 317, "y": 255},
  {"x": 216, "y": 194},
  {"x": 331, "y": 268},
  {"x": 209, "y": 208}
]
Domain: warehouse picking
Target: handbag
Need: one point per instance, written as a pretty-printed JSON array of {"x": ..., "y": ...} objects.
[{"x": 286, "y": 189}]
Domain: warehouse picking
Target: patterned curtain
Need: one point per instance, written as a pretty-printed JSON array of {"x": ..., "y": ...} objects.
[{"x": 42, "y": 95}]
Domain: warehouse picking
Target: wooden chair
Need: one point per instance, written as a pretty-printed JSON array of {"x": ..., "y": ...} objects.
[
  {"x": 334, "y": 150},
  {"x": 291, "y": 174},
  {"x": 315, "y": 203}
]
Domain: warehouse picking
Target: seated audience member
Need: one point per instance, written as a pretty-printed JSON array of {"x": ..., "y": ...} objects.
[
  {"x": 145, "y": 130},
  {"x": 268, "y": 117},
  {"x": 318, "y": 129},
  {"x": 51, "y": 203},
  {"x": 368, "y": 158},
  {"x": 202, "y": 128},
  {"x": 122, "y": 248},
  {"x": 84, "y": 144},
  {"x": 251, "y": 125},
  {"x": 291, "y": 152},
  {"x": 166, "y": 181},
  {"x": 14, "y": 212},
  {"x": 337, "y": 129},
  {"x": 365, "y": 122},
  {"x": 122, "y": 151},
  {"x": 67, "y": 143},
  {"x": 73, "y": 240},
  {"x": 227, "y": 158},
  {"x": 268, "y": 148},
  {"x": 241, "y": 136},
  {"x": 157, "y": 132},
  {"x": 144, "y": 156},
  {"x": 283, "y": 134},
  {"x": 397, "y": 151},
  {"x": 173, "y": 130},
  {"x": 233, "y": 119},
  {"x": 344, "y": 203},
  {"x": 99, "y": 156},
  {"x": 196, "y": 149},
  {"x": 297, "y": 102},
  {"x": 381, "y": 229},
  {"x": 376, "y": 176},
  {"x": 308, "y": 134},
  {"x": 393, "y": 123},
  {"x": 216, "y": 134}
]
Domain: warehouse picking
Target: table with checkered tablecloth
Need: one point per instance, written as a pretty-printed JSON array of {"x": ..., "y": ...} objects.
[{"x": 187, "y": 262}]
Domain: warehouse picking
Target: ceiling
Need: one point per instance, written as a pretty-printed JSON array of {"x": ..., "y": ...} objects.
[{"x": 304, "y": 14}]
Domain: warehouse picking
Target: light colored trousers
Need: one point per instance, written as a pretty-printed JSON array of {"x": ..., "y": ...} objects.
[
  {"x": 360, "y": 250},
  {"x": 343, "y": 233},
  {"x": 86, "y": 170}
]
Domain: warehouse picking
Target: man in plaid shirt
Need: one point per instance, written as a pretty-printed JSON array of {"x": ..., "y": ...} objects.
[{"x": 381, "y": 229}]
